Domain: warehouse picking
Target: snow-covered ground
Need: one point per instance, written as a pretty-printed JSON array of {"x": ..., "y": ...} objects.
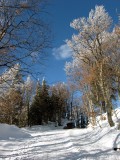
[{"x": 51, "y": 143}]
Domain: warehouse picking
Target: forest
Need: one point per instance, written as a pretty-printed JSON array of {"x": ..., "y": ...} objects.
[{"x": 94, "y": 70}]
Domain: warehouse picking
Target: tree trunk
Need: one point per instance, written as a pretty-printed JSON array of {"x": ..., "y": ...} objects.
[
  {"x": 103, "y": 106},
  {"x": 106, "y": 98},
  {"x": 59, "y": 118},
  {"x": 109, "y": 116},
  {"x": 92, "y": 115}
]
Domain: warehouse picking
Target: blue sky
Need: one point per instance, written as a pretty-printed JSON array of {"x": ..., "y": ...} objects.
[{"x": 61, "y": 13}]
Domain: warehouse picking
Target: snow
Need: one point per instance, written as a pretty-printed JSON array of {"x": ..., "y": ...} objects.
[
  {"x": 53, "y": 143},
  {"x": 11, "y": 132}
]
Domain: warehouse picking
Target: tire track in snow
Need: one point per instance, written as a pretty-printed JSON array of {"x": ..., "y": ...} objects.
[{"x": 42, "y": 145}]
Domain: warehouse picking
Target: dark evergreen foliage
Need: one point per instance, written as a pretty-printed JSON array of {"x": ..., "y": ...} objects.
[{"x": 39, "y": 110}]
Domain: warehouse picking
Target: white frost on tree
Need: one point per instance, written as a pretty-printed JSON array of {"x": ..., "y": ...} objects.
[
  {"x": 11, "y": 79},
  {"x": 95, "y": 48},
  {"x": 92, "y": 35}
]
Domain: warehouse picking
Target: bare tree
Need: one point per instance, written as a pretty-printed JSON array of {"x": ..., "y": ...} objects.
[
  {"x": 23, "y": 32},
  {"x": 11, "y": 107}
]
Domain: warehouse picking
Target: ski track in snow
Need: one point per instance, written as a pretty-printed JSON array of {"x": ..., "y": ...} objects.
[{"x": 59, "y": 144}]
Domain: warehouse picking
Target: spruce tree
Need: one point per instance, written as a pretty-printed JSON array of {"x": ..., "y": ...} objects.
[
  {"x": 45, "y": 101},
  {"x": 35, "y": 113}
]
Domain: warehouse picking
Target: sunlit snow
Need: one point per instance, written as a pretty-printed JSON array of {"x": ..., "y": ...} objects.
[{"x": 52, "y": 143}]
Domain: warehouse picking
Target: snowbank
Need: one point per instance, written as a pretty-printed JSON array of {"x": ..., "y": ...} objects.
[
  {"x": 104, "y": 123},
  {"x": 12, "y": 132}
]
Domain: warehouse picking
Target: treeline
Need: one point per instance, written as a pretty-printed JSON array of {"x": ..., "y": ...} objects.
[
  {"x": 22, "y": 102},
  {"x": 49, "y": 104},
  {"x": 25, "y": 36}
]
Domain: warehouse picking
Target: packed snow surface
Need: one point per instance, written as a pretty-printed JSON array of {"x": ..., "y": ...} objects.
[{"x": 52, "y": 143}]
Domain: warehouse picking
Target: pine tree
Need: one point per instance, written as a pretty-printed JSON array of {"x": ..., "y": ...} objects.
[
  {"x": 45, "y": 101},
  {"x": 55, "y": 107},
  {"x": 40, "y": 110},
  {"x": 35, "y": 109}
]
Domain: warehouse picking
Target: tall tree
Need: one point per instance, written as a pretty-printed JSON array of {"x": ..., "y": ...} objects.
[
  {"x": 45, "y": 101},
  {"x": 28, "y": 94},
  {"x": 35, "y": 112},
  {"x": 59, "y": 97},
  {"x": 23, "y": 32},
  {"x": 95, "y": 48},
  {"x": 12, "y": 98},
  {"x": 39, "y": 110}
]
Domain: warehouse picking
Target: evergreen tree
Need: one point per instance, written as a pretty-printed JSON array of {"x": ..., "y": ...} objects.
[
  {"x": 35, "y": 109},
  {"x": 39, "y": 110},
  {"x": 54, "y": 107},
  {"x": 45, "y": 101}
]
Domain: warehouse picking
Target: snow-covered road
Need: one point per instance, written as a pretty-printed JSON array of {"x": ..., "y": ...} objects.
[{"x": 59, "y": 144}]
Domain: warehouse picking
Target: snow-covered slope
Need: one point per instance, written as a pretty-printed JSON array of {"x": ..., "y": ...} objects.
[{"x": 51, "y": 143}]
